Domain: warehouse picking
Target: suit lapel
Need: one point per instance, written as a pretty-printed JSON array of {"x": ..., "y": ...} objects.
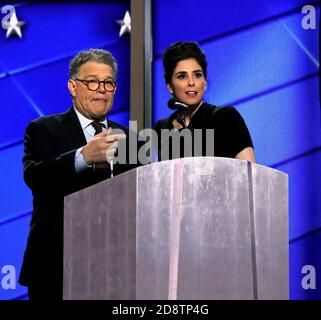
[{"x": 73, "y": 130}]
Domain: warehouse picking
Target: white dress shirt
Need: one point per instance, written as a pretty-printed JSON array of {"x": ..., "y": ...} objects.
[{"x": 89, "y": 132}]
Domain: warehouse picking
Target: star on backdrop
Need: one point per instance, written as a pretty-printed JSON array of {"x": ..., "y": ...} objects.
[
  {"x": 14, "y": 26},
  {"x": 125, "y": 24}
]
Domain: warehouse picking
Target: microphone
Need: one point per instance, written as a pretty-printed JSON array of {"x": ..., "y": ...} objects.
[
  {"x": 111, "y": 168},
  {"x": 176, "y": 104}
]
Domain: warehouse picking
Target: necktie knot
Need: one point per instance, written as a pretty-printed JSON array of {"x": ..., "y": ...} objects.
[
  {"x": 101, "y": 167},
  {"x": 98, "y": 126}
]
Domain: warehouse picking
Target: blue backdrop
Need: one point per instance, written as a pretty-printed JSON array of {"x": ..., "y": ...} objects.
[
  {"x": 33, "y": 82},
  {"x": 263, "y": 62}
]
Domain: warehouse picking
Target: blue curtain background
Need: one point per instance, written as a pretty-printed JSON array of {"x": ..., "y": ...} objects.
[{"x": 262, "y": 61}]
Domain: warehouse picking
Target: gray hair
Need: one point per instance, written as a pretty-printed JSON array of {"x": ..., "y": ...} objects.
[{"x": 95, "y": 55}]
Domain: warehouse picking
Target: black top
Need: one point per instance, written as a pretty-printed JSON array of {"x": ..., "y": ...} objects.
[{"x": 231, "y": 134}]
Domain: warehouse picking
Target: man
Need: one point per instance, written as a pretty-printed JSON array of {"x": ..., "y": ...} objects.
[{"x": 65, "y": 153}]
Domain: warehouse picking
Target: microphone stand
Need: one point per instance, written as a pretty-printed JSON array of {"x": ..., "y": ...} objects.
[{"x": 181, "y": 118}]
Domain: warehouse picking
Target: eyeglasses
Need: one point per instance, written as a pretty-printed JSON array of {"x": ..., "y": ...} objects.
[{"x": 93, "y": 85}]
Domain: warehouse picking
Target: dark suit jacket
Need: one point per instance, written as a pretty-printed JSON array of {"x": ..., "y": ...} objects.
[{"x": 49, "y": 151}]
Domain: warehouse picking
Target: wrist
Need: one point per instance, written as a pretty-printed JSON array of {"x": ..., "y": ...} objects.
[{"x": 85, "y": 156}]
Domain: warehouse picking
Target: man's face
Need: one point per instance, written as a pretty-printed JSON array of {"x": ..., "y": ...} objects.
[{"x": 96, "y": 104}]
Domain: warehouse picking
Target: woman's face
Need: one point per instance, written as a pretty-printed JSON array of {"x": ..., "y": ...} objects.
[{"x": 188, "y": 82}]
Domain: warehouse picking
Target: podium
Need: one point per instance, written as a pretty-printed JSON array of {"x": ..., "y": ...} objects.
[{"x": 191, "y": 228}]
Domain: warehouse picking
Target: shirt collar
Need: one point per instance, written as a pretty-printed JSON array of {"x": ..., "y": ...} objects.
[{"x": 85, "y": 122}]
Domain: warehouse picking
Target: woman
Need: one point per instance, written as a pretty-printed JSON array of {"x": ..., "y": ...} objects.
[{"x": 185, "y": 74}]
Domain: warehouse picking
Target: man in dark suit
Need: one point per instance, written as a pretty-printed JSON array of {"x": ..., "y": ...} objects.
[{"x": 65, "y": 153}]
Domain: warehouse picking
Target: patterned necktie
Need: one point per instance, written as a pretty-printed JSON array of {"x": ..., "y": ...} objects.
[{"x": 99, "y": 128}]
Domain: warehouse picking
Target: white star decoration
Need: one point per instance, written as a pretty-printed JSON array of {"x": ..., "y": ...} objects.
[
  {"x": 125, "y": 24},
  {"x": 14, "y": 26}
]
